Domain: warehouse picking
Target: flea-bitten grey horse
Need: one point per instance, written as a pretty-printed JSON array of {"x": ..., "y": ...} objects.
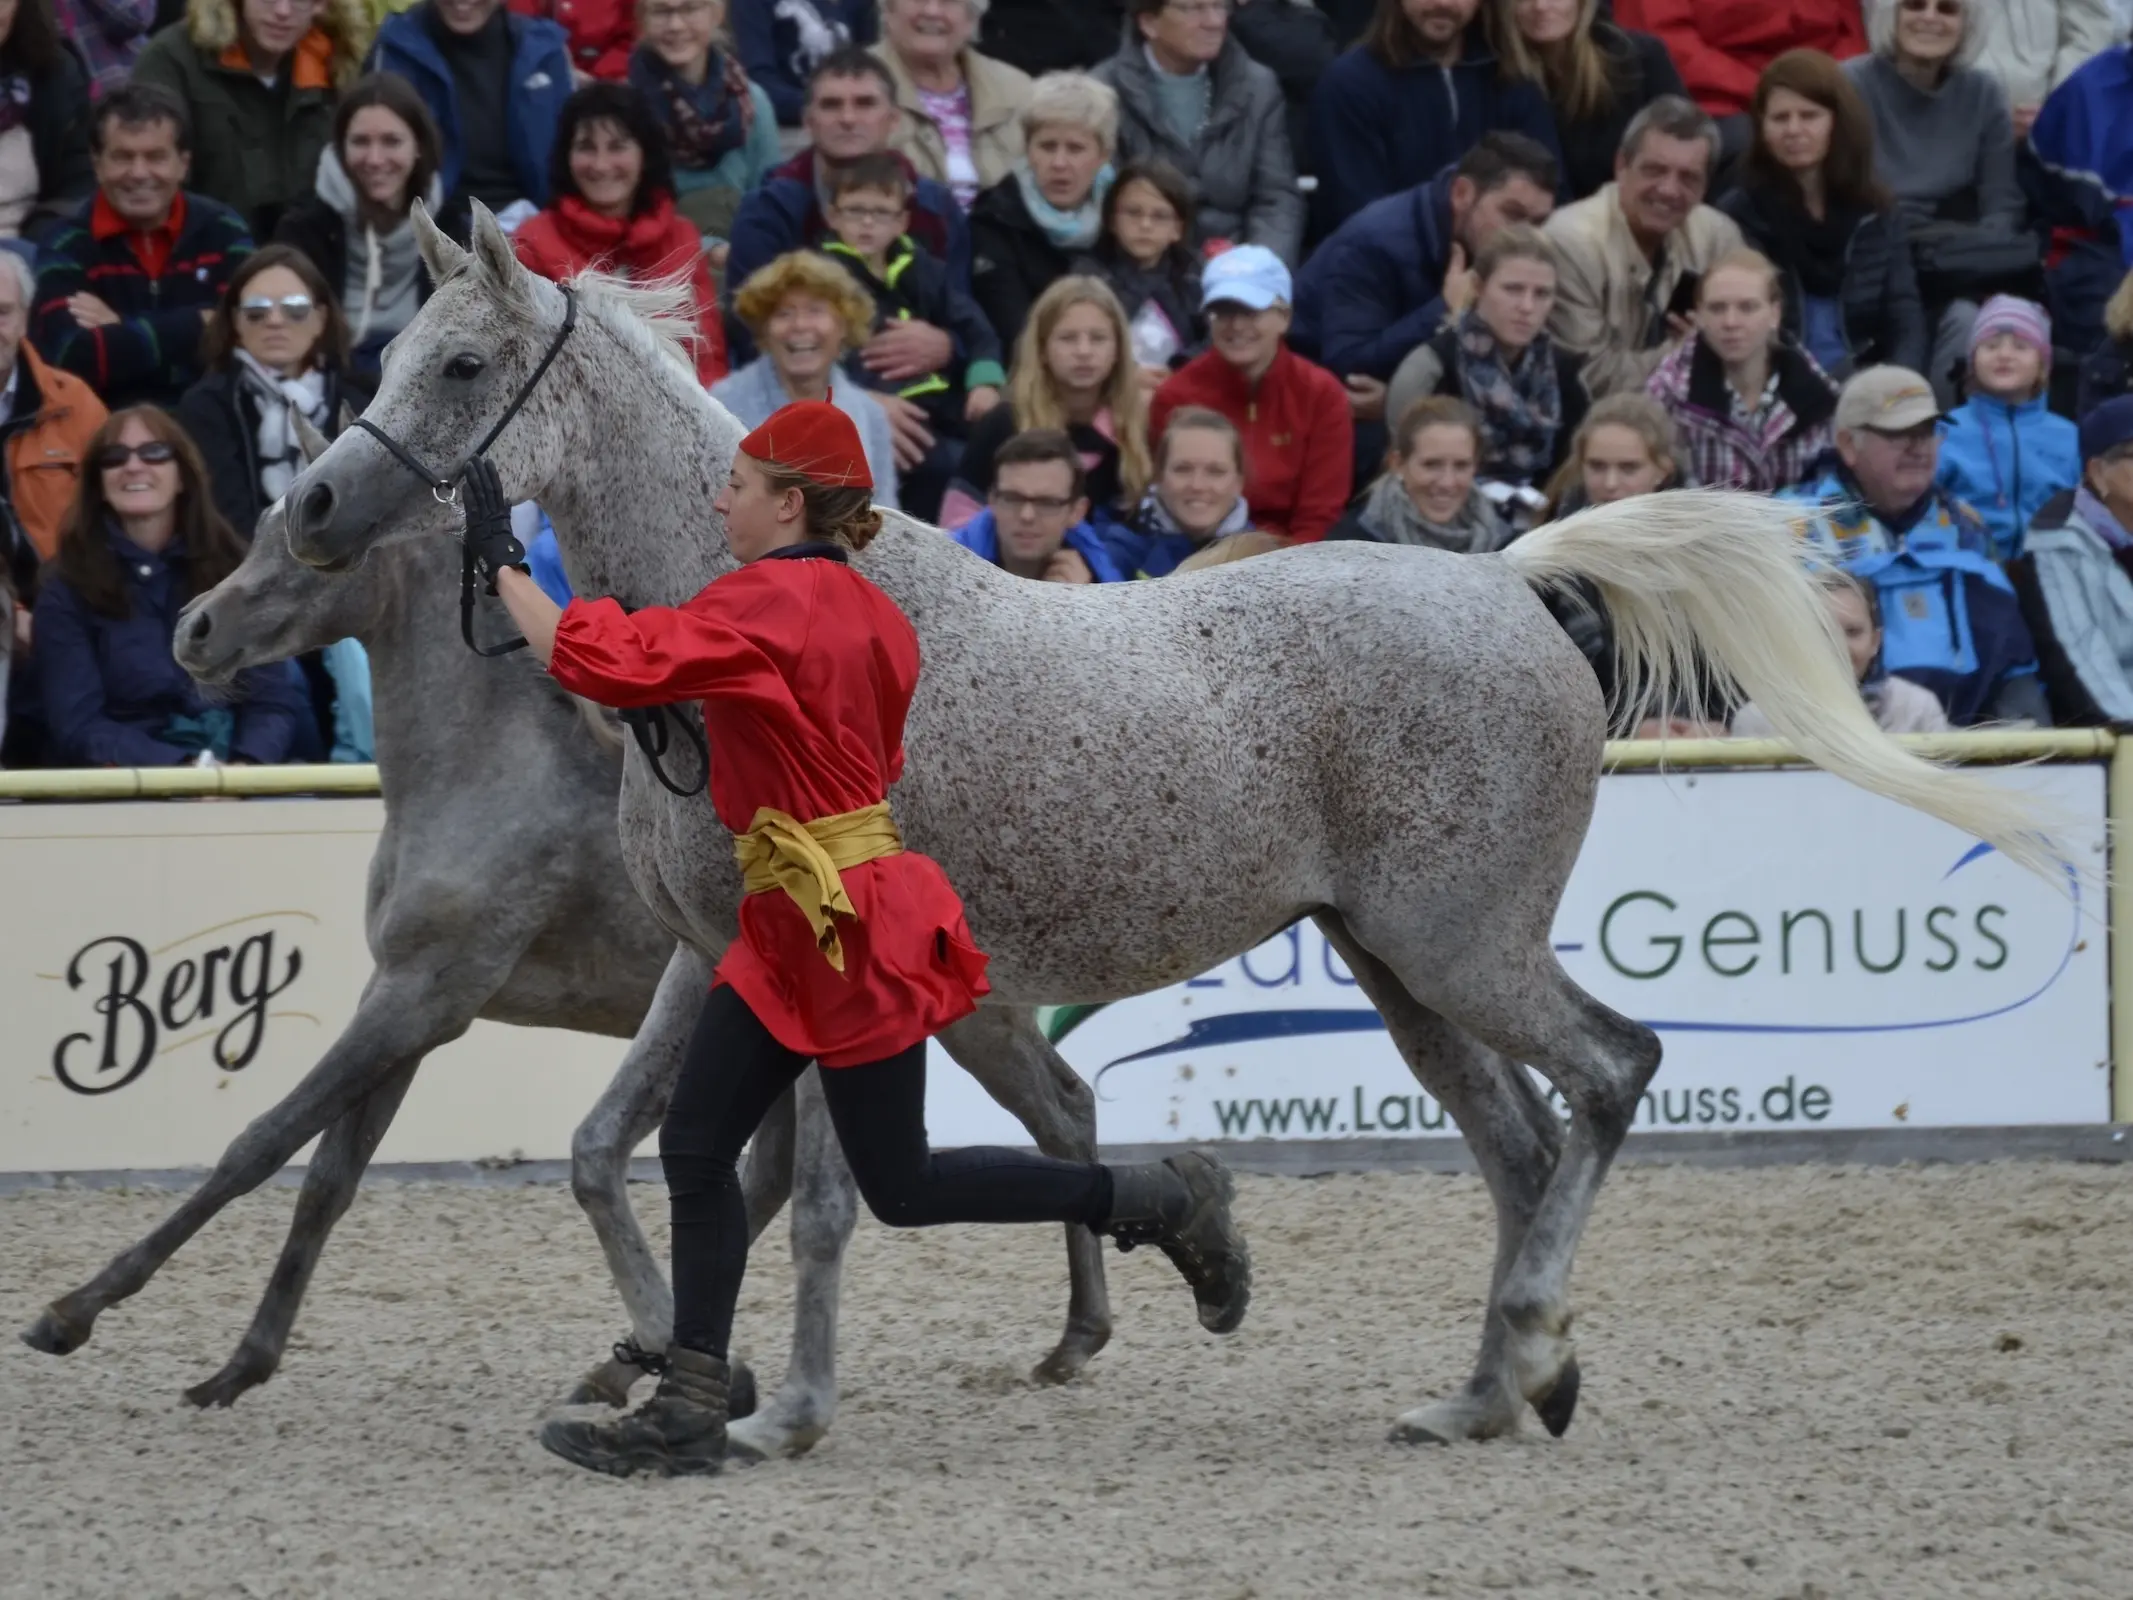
[
  {"x": 1132, "y": 783},
  {"x": 498, "y": 890}
]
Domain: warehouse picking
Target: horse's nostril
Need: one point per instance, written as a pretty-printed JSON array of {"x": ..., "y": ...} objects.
[
  {"x": 314, "y": 508},
  {"x": 202, "y": 626}
]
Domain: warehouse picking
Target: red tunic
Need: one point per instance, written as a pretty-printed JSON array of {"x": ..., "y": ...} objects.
[{"x": 805, "y": 671}]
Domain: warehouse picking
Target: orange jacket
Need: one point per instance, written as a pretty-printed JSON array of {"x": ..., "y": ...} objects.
[{"x": 44, "y": 452}]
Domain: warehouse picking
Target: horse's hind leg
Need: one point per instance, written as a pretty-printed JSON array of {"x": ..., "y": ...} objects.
[
  {"x": 825, "y": 1208},
  {"x": 329, "y": 1185},
  {"x": 1504, "y": 986},
  {"x": 1004, "y": 1049},
  {"x": 1515, "y": 1139}
]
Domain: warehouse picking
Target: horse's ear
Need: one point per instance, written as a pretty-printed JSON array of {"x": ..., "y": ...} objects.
[
  {"x": 309, "y": 438},
  {"x": 495, "y": 258},
  {"x": 439, "y": 253},
  {"x": 347, "y": 418}
]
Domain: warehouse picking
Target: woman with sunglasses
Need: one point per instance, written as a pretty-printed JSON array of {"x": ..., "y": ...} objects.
[
  {"x": 277, "y": 340},
  {"x": 141, "y": 539}
]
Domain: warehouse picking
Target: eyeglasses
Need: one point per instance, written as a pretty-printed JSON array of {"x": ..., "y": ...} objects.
[
  {"x": 1945, "y": 8},
  {"x": 1200, "y": 10},
  {"x": 1150, "y": 216},
  {"x": 1009, "y": 503},
  {"x": 868, "y": 214},
  {"x": 152, "y": 454},
  {"x": 293, "y": 308}
]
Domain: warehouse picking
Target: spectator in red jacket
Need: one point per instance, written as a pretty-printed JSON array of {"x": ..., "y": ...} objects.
[
  {"x": 1722, "y": 46},
  {"x": 614, "y": 209},
  {"x": 602, "y": 32},
  {"x": 1299, "y": 440}
]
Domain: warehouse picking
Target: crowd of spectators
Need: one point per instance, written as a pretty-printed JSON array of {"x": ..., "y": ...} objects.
[{"x": 1113, "y": 289}]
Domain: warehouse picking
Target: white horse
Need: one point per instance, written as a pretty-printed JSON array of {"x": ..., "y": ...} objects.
[{"x": 1132, "y": 783}]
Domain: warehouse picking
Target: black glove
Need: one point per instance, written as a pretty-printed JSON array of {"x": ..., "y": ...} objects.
[{"x": 489, "y": 540}]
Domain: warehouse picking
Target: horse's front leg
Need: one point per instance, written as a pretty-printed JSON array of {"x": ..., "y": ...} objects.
[
  {"x": 329, "y": 1185},
  {"x": 406, "y": 1012},
  {"x": 1004, "y": 1049}
]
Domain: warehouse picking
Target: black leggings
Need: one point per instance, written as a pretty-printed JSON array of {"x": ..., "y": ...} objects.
[{"x": 732, "y": 1076}]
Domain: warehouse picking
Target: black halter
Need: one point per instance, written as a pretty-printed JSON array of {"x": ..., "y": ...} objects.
[{"x": 648, "y": 724}]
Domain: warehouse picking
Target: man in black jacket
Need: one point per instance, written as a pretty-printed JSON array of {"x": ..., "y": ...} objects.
[{"x": 126, "y": 287}]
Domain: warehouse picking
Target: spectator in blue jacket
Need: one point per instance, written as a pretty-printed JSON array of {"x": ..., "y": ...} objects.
[
  {"x": 2004, "y": 452},
  {"x": 142, "y": 538},
  {"x": 1416, "y": 94},
  {"x": 2082, "y": 190},
  {"x": 851, "y": 112},
  {"x": 1397, "y": 270},
  {"x": 1951, "y": 618},
  {"x": 1036, "y": 519},
  {"x": 495, "y": 82},
  {"x": 782, "y": 42}
]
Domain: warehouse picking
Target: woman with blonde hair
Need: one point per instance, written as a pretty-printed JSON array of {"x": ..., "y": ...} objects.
[
  {"x": 1754, "y": 411},
  {"x": 1026, "y": 229},
  {"x": 1596, "y": 76},
  {"x": 1073, "y": 370},
  {"x": 260, "y": 82},
  {"x": 807, "y": 313},
  {"x": 721, "y": 128},
  {"x": 1625, "y": 446}
]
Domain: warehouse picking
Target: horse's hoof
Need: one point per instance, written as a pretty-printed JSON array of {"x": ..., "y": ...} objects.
[
  {"x": 225, "y": 1386},
  {"x": 1560, "y": 1403},
  {"x": 55, "y": 1333},
  {"x": 1463, "y": 1417},
  {"x": 1075, "y": 1351},
  {"x": 741, "y": 1400}
]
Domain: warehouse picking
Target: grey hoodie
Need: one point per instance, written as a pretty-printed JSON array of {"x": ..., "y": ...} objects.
[{"x": 381, "y": 288}]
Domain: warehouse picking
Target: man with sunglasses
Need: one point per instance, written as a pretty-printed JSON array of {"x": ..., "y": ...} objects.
[
  {"x": 126, "y": 287},
  {"x": 1949, "y": 614},
  {"x": 1035, "y": 522}
]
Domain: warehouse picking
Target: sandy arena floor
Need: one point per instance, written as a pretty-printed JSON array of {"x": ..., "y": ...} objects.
[{"x": 1797, "y": 1383}]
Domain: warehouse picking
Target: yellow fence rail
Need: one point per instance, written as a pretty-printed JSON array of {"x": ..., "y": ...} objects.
[{"x": 1623, "y": 755}]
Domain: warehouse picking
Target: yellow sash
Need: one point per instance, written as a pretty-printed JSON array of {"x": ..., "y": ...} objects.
[{"x": 805, "y": 859}]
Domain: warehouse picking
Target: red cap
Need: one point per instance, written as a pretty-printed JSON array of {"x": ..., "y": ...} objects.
[{"x": 816, "y": 440}]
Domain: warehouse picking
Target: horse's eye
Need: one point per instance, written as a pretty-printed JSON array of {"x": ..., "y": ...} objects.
[{"x": 463, "y": 366}]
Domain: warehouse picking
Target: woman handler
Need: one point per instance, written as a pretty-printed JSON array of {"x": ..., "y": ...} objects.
[{"x": 852, "y": 950}]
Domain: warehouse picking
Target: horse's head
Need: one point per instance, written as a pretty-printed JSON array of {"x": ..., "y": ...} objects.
[
  {"x": 272, "y": 607},
  {"x": 449, "y": 376}
]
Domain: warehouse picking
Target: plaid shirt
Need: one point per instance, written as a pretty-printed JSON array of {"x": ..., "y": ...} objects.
[
  {"x": 1772, "y": 446},
  {"x": 109, "y": 34}
]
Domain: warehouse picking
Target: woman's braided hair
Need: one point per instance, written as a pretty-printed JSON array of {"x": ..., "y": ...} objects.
[{"x": 842, "y": 516}]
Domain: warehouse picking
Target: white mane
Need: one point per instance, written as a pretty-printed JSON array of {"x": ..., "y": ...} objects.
[{"x": 657, "y": 317}]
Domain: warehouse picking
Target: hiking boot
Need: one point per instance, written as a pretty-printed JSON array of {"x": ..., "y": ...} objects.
[
  {"x": 1181, "y": 1206},
  {"x": 681, "y": 1430}
]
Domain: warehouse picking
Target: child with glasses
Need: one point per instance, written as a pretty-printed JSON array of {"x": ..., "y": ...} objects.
[{"x": 868, "y": 216}]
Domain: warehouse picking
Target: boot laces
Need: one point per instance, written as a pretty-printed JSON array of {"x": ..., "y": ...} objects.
[{"x": 632, "y": 1354}]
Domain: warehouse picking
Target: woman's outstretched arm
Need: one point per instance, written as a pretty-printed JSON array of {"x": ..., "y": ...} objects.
[{"x": 535, "y": 614}]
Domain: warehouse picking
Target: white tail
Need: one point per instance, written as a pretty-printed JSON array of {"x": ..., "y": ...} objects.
[{"x": 1710, "y": 585}]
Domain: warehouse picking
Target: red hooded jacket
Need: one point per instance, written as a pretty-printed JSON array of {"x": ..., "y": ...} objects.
[
  {"x": 570, "y": 237},
  {"x": 602, "y": 32},
  {"x": 1299, "y": 436},
  {"x": 1720, "y": 47},
  {"x": 806, "y": 672}
]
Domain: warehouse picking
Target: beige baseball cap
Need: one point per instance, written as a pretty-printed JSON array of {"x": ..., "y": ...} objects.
[{"x": 1886, "y": 399}]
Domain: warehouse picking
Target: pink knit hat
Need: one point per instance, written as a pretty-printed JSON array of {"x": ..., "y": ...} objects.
[{"x": 2006, "y": 313}]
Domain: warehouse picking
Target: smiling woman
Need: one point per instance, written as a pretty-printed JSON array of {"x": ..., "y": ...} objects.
[
  {"x": 960, "y": 111},
  {"x": 142, "y": 538}
]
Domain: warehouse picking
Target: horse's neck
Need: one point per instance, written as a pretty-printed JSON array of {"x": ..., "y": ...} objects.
[
  {"x": 631, "y": 499},
  {"x": 432, "y": 697}
]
